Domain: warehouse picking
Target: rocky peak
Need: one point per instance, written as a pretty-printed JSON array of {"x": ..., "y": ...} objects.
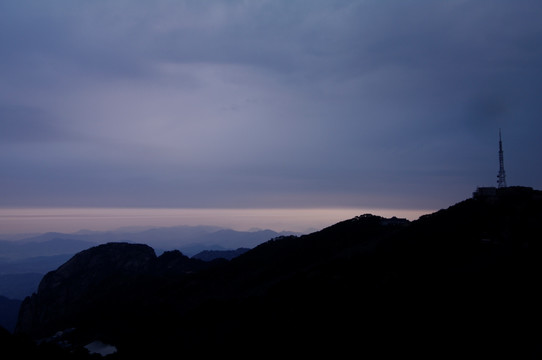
[
  {"x": 75, "y": 284},
  {"x": 90, "y": 266}
]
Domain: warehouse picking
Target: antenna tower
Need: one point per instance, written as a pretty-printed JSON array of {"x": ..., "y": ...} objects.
[{"x": 501, "y": 177}]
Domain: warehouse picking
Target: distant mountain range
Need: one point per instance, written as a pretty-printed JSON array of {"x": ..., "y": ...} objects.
[
  {"x": 25, "y": 261},
  {"x": 188, "y": 239},
  {"x": 461, "y": 282}
]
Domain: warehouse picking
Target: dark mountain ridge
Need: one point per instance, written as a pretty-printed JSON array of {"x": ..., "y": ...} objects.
[
  {"x": 210, "y": 255},
  {"x": 24, "y": 259},
  {"x": 91, "y": 277},
  {"x": 8, "y": 312},
  {"x": 459, "y": 282}
]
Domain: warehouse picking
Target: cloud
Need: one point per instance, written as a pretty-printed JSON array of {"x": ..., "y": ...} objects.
[
  {"x": 266, "y": 102},
  {"x": 26, "y": 124}
]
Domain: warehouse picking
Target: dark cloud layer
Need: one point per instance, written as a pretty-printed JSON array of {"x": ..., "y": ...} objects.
[{"x": 266, "y": 103}]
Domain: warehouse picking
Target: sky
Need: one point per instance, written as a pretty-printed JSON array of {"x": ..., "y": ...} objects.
[{"x": 268, "y": 104}]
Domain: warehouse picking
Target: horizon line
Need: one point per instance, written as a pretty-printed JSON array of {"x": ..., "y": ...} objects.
[{"x": 15, "y": 220}]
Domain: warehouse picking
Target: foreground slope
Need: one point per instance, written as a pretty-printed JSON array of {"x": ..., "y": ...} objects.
[{"x": 462, "y": 281}]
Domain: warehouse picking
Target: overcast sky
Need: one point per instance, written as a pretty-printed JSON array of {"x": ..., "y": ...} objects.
[{"x": 261, "y": 104}]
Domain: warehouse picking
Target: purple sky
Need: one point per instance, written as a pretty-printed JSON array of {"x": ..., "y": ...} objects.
[{"x": 263, "y": 104}]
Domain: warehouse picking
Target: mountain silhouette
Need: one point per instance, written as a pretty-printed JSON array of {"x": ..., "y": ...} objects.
[
  {"x": 210, "y": 255},
  {"x": 459, "y": 282},
  {"x": 24, "y": 262},
  {"x": 8, "y": 312}
]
